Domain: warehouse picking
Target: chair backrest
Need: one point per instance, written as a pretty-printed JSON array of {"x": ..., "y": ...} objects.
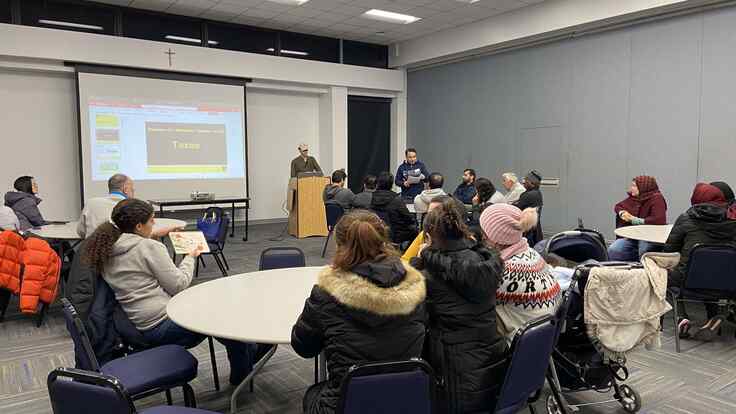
[
  {"x": 281, "y": 257},
  {"x": 74, "y": 391},
  {"x": 83, "y": 352},
  {"x": 578, "y": 245},
  {"x": 712, "y": 267},
  {"x": 388, "y": 387},
  {"x": 333, "y": 212},
  {"x": 530, "y": 352}
]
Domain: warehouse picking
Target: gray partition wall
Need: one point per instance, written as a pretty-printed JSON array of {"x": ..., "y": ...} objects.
[{"x": 656, "y": 99}]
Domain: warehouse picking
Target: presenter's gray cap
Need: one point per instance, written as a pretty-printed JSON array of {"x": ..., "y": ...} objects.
[{"x": 303, "y": 147}]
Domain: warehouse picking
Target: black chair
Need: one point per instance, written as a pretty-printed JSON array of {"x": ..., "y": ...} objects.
[
  {"x": 144, "y": 373},
  {"x": 281, "y": 257},
  {"x": 578, "y": 245},
  {"x": 216, "y": 245},
  {"x": 387, "y": 388},
  {"x": 75, "y": 391},
  {"x": 710, "y": 279},
  {"x": 333, "y": 212},
  {"x": 531, "y": 350}
]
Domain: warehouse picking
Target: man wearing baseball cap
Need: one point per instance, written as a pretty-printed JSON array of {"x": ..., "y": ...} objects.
[{"x": 304, "y": 163}]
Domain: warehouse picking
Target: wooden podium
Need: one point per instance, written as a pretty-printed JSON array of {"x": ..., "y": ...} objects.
[{"x": 306, "y": 208}]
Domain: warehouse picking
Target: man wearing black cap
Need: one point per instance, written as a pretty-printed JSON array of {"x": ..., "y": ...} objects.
[{"x": 532, "y": 197}]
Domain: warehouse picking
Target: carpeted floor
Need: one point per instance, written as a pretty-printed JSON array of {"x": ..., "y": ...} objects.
[{"x": 702, "y": 379}]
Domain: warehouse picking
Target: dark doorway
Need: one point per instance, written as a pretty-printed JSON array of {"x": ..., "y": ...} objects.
[{"x": 369, "y": 138}]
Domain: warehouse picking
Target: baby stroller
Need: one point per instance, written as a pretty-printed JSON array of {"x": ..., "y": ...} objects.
[
  {"x": 578, "y": 245},
  {"x": 577, "y": 364}
]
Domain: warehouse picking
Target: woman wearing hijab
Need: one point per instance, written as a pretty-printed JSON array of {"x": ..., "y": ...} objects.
[
  {"x": 703, "y": 223},
  {"x": 728, "y": 194},
  {"x": 644, "y": 205}
]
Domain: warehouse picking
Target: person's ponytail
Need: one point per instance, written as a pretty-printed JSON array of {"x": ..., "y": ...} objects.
[{"x": 98, "y": 247}]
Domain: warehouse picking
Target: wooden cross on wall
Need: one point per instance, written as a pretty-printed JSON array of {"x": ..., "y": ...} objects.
[{"x": 171, "y": 54}]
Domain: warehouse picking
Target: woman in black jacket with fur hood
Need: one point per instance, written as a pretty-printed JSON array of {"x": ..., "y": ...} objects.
[
  {"x": 463, "y": 345},
  {"x": 368, "y": 306}
]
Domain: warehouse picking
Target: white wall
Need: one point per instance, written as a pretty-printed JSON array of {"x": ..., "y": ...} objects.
[
  {"x": 551, "y": 17},
  {"x": 39, "y": 137},
  {"x": 285, "y": 105},
  {"x": 278, "y": 121}
]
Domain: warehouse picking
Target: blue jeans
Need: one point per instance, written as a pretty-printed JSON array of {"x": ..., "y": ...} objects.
[
  {"x": 241, "y": 355},
  {"x": 627, "y": 250}
]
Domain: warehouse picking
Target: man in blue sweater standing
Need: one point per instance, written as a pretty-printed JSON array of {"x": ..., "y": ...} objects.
[{"x": 411, "y": 176}]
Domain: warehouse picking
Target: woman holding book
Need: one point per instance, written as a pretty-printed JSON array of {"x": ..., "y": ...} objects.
[{"x": 144, "y": 279}]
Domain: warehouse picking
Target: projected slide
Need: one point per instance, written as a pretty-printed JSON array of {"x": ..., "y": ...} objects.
[{"x": 153, "y": 140}]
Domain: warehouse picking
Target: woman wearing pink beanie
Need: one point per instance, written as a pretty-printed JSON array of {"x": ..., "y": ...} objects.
[{"x": 528, "y": 289}]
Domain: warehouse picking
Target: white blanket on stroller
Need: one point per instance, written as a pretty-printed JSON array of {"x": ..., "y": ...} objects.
[{"x": 622, "y": 306}]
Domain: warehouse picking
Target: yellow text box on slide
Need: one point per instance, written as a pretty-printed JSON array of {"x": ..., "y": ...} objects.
[
  {"x": 184, "y": 169},
  {"x": 107, "y": 121}
]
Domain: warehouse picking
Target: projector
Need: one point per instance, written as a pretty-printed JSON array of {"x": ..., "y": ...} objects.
[{"x": 200, "y": 195}]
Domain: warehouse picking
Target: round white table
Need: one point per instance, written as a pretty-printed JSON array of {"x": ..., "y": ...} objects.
[
  {"x": 250, "y": 307},
  {"x": 66, "y": 231},
  {"x": 646, "y": 232},
  {"x": 162, "y": 223}
]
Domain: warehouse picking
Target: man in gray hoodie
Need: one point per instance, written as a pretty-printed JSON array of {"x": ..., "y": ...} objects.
[
  {"x": 336, "y": 193},
  {"x": 435, "y": 182}
]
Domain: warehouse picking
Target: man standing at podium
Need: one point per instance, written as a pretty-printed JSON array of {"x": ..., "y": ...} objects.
[{"x": 304, "y": 163}]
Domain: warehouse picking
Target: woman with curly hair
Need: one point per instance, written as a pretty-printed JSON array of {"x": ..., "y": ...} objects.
[
  {"x": 144, "y": 279},
  {"x": 463, "y": 343}
]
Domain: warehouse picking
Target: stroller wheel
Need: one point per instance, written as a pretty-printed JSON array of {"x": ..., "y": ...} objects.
[
  {"x": 552, "y": 406},
  {"x": 629, "y": 399}
]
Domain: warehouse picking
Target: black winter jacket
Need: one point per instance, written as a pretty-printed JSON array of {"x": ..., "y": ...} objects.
[
  {"x": 463, "y": 344},
  {"x": 701, "y": 223},
  {"x": 374, "y": 313},
  {"x": 25, "y": 206},
  {"x": 390, "y": 206}
]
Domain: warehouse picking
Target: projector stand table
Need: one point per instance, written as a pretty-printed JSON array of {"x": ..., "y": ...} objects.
[{"x": 220, "y": 200}]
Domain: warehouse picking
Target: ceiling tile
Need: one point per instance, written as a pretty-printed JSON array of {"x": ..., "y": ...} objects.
[
  {"x": 290, "y": 19},
  {"x": 277, "y": 7},
  {"x": 502, "y": 5},
  {"x": 445, "y": 5},
  {"x": 156, "y": 5},
  {"x": 246, "y": 3},
  {"x": 349, "y": 10},
  {"x": 230, "y": 7},
  {"x": 263, "y": 14},
  {"x": 331, "y": 18},
  {"x": 185, "y": 10},
  {"x": 326, "y": 5},
  {"x": 306, "y": 12}
]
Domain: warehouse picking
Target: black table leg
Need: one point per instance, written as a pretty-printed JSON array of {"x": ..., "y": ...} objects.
[
  {"x": 247, "y": 207},
  {"x": 232, "y": 224}
]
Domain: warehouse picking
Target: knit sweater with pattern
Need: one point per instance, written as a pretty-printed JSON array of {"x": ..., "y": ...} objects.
[{"x": 527, "y": 291}]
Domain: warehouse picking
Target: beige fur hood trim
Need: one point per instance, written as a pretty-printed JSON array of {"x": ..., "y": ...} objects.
[{"x": 357, "y": 292}]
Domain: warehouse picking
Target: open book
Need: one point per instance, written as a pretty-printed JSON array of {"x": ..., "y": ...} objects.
[{"x": 185, "y": 241}]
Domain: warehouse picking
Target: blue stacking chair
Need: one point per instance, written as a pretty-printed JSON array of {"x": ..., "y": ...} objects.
[
  {"x": 333, "y": 212},
  {"x": 388, "y": 388},
  {"x": 531, "y": 350},
  {"x": 281, "y": 257},
  {"x": 711, "y": 278},
  {"x": 217, "y": 245},
  {"x": 75, "y": 391},
  {"x": 144, "y": 373}
]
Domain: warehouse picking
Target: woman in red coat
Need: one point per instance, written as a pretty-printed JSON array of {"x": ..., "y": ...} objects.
[{"x": 644, "y": 205}]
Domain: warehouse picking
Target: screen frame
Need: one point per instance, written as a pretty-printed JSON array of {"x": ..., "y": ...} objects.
[{"x": 156, "y": 74}]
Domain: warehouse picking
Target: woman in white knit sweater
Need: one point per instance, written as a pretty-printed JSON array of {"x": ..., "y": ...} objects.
[{"x": 528, "y": 289}]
